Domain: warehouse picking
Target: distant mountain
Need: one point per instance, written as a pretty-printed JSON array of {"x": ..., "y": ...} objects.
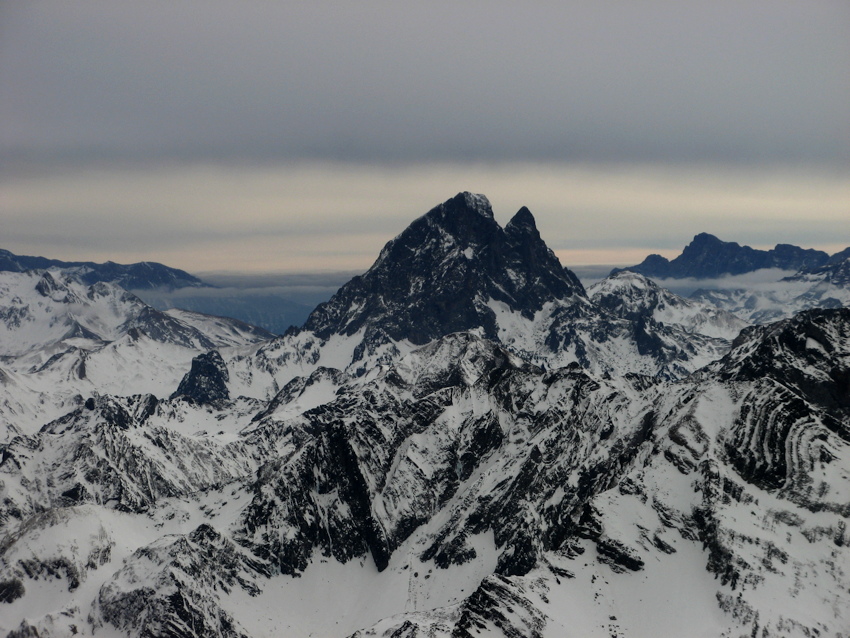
[
  {"x": 707, "y": 257},
  {"x": 839, "y": 257},
  {"x": 835, "y": 273},
  {"x": 161, "y": 286},
  {"x": 61, "y": 339},
  {"x": 40, "y": 309},
  {"x": 145, "y": 275}
]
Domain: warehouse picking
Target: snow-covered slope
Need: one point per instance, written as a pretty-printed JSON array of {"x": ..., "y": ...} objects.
[
  {"x": 731, "y": 520},
  {"x": 633, "y": 296},
  {"x": 222, "y": 331},
  {"x": 462, "y": 490},
  {"x": 40, "y": 309},
  {"x": 62, "y": 341}
]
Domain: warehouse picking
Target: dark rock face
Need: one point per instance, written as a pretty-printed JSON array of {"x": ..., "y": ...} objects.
[
  {"x": 839, "y": 257},
  {"x": 500, "y": 606},
  {"x": 11, "y": 590},
  {"x": 437, "y": 276},
  {"x": 707, "y": 256},
  {"x": 47, "y": 285},
  {"x": 805, "y": 353},
  {"x": 207, "y": 381}
]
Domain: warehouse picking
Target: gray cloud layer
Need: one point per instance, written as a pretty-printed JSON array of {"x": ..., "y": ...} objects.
[{"x": 720, "y": 81}]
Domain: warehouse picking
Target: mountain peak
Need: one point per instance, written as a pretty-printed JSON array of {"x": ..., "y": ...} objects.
[
  {"x": 477, "y": 202},
  {"x": 522, "y": 221},
  {"x": 706, "y": 239},
  {"x": 438, "y": 276},
  {"x": 462, "y": 205}
]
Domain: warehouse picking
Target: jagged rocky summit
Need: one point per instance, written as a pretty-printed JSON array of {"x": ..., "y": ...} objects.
[
  {"x": 517, "y": 457},
  {"x": 443, "y": 272}
]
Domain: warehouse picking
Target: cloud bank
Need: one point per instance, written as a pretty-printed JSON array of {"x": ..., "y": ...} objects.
[{"x": 656, "y": 81}]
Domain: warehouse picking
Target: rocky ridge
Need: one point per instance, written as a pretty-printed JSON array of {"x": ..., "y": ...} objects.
[{"x": 708, "y": 257}]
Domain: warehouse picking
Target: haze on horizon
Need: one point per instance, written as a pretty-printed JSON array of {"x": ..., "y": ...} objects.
[{"x": 254, "y": 137}]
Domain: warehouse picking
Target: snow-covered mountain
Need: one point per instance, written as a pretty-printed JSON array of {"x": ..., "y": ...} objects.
[
  {"x": 61, "y": 340},
  {"x": 633, "y": 296},
  {"x": 821, "y": 281},
  {"x": 455, "y": 269},
  {"x": 44, "y": 309},
  {"x": 461, "y": 442}
]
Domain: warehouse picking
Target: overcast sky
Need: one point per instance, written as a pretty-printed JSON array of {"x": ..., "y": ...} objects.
[{"x": 302, "y": 136}]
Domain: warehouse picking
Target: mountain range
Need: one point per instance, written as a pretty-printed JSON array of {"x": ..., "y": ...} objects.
[
  {"x": 144, "y": 275},
  {"x": 463, "y": 441},
  {"x": 708, "y": 257}
]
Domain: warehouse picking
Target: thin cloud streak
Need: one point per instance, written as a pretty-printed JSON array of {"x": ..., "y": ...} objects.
[{"x": 763, "y": 280}]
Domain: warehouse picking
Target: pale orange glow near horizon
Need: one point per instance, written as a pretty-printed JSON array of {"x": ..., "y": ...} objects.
[{"x": 330, "y": 217}]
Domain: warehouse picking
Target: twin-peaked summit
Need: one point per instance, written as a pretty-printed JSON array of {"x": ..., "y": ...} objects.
[{"x": 442, "y": 274}]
